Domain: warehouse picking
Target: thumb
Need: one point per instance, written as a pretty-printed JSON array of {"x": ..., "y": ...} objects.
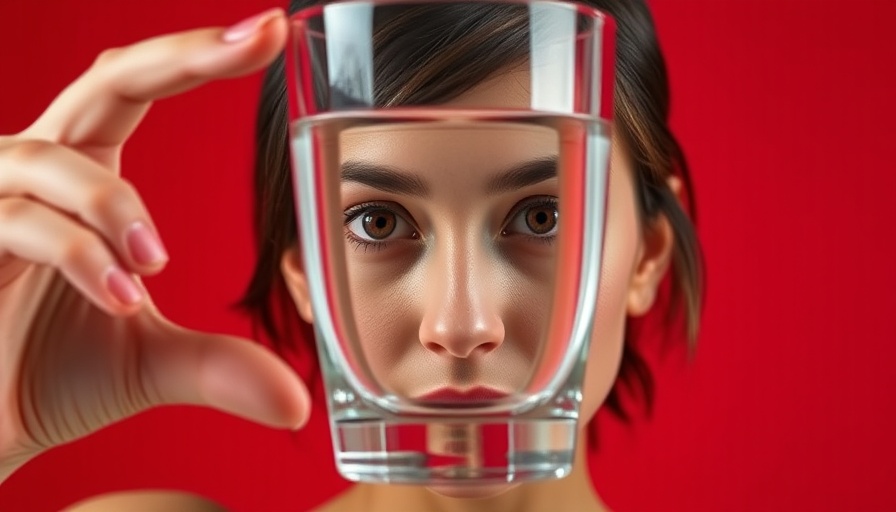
[{"x": 227, "y": 373}]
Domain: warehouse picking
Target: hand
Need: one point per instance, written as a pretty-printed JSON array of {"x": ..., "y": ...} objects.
[{"x": 81, "y": 343}]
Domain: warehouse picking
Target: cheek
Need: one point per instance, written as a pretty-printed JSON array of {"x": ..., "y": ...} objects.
[
  {"x": 385, "y": 307},
  {"x": 621, "y": 246}
]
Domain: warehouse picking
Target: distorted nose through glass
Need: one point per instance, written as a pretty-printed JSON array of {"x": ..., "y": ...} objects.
[{"x": 450, "y": 164}]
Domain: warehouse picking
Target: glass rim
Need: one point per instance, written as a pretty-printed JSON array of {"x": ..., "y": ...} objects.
[
  {"x": 317, "y": 10},
  {"x": 595, "y": 99}
]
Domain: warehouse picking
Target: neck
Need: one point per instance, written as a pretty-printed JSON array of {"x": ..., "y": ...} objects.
[{"x": 574, "y": 492}]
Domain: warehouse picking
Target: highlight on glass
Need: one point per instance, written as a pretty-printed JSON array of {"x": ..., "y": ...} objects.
[{"x": 450, "y": 165}]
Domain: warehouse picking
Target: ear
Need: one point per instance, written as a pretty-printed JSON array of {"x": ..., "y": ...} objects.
[
  {"x": 297, "y": 281},
  {"x": 654, "y": 258}
]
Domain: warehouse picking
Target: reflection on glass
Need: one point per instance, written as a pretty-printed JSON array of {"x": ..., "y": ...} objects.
[{"x": 451, "y": 254}]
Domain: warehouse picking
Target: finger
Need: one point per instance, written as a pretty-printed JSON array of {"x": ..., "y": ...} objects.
[
  {"x": 234, "y": 375},
  {"x": 35, "y": 232},
  {"x": 75, "y": 184},
  {"x": 106, "y": 103}
]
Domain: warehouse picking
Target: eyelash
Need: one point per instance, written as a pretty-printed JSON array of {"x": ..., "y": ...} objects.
[{"x": 365, "y": 245}]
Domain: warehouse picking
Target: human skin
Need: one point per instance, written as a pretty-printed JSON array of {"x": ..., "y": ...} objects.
[
  {"x": 57, "y": 249},
  {"x": 438, "y": 303},
  {"x": 81, "y": 343},
  {"x": 636, "y": 256}
]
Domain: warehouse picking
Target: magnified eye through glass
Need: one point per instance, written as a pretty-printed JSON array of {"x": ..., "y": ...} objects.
[{"x": 373, "y": 225}]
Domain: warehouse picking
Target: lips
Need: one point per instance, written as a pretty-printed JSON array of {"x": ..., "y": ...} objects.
[{"x": 462, "y": 397}]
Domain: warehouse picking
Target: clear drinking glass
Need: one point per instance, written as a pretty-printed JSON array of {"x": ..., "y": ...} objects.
[{"x": 450, "y": 169}]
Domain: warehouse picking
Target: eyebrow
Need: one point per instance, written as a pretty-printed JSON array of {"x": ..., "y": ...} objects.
[
  {"x": 523, "y": 175},
  {"x": 389, "y": 179},
  {"x": 384, "y": 178}
]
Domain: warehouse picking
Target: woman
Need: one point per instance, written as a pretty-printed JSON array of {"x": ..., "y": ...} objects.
[{"x": 73, "y": 232}]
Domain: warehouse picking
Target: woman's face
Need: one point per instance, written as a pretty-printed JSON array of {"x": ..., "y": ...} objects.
[
  {"x": 451, "y": 263},
  {"x": 451, "y": 280}
]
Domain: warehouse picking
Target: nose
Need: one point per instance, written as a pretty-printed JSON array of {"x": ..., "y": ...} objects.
[{"x": 460, "y": 317}]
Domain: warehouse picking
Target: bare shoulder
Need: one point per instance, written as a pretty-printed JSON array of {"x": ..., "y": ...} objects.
[
  {"x": 147, "y": 501},
  {"x": 350, "y": 500}
]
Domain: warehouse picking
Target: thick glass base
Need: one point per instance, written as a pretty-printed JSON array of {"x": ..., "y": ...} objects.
[{"x": 438, "y": 452}]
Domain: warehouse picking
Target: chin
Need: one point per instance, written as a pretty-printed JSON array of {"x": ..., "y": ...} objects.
[{"x": 471, "y": 492}]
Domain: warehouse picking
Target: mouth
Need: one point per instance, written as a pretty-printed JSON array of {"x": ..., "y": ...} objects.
[{"x": 454, "y": 397}]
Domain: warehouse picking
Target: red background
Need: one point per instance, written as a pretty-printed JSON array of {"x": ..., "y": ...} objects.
[{"x": 785, "y": 110}]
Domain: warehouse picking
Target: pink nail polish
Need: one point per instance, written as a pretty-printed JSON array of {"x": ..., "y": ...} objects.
[
  {"x": 144, "y": 245},
  {"x": 122, "y": 286},
  {"x": 249, "y": 26}
]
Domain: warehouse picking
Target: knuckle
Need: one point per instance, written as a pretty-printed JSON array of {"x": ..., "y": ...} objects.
[
  {"x": 81, "y": 245},
  {"x": 106, "y": 56},
  {"x": 108, "y": 196},
  {"x": 28, "y": 151},
  {"x": 128, "y": 190},
  {"x": 12, "y": 209}
]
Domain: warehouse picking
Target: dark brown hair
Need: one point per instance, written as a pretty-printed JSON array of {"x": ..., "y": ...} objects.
[{"x": 471, "y": 41}]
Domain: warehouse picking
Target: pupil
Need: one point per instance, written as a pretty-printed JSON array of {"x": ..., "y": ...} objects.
[
  {"x": 379, "y": 225},
  {"x": 541, "y": 220}
]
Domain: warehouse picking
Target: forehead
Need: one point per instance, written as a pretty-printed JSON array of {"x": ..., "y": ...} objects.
[{"x": 433, "y": 147}]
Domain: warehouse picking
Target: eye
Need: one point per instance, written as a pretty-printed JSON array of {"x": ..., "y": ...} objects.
[
  {"x": 535, "y": 217},
  {"x": 375, "y": 223}
]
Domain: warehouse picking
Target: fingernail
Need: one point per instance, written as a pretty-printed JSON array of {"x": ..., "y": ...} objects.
[
  {"x": 122, "y": 286},
  {"x": 248, "y": 26},
  {"x": 144, "y": 246}
]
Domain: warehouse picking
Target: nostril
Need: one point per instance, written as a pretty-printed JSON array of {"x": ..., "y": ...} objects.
[
  {"x": 461, "y": 346},
  {"x": 435, "y": 347},
  {"x": 485, "y": 348}
]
